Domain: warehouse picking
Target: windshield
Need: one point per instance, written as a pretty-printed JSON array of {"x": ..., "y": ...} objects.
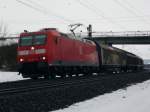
[
  {"x": 33, "y": 40},
  {"x": 26, "y": 41}
]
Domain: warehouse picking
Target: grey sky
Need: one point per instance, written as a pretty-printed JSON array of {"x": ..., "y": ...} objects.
[{"x": 104, "y": 15}]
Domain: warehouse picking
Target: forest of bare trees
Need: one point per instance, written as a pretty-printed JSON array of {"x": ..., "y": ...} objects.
[{"x": 7, "y": 51}]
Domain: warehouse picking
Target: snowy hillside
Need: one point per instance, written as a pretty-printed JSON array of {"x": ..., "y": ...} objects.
[{"x": 132, "y": 99}]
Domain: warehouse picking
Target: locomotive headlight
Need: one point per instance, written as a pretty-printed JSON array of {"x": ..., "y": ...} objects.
[
  {"x": 32, "y": 48},
  {"x": 21, "y": 59},
  {"x": 44, "y": 58}
]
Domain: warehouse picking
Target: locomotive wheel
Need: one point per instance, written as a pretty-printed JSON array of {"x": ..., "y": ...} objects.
[
  {"x": 88, "y": 74},
  {"x": 69, "y": 75},
  {"x": 46, "y": 77},
  {"x": 34, "y": 77},
  {"x": 52, "y": 75},
  {"x": 63, "y": 75},
  {"x": 77, "y": 75}
]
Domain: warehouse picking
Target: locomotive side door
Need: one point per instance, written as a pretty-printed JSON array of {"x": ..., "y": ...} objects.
[{"x": 58, "y": 51}]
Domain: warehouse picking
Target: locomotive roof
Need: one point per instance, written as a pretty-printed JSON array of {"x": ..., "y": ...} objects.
[
  {"x": 58, "y": 33},
  {"x": 44, "y": 30}
]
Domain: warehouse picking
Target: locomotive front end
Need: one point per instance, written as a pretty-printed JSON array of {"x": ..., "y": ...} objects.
[{"x": 32, "y": 54}]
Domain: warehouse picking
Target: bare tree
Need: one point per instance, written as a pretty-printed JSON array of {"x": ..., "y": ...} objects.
[
  {"x": 3, "y": 30},
  {"x": 3, "y": 33}
]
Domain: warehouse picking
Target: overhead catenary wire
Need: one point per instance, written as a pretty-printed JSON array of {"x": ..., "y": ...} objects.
[
  {"x": 71, "y": 21},
  {"x": 41, "y": 9},
  {"x": 132, "y": 7},
  {"x": 90, "y": 20},
  {"x": 99, "y": 14},
  {"x": 129, "y": 10},
  {"x": 96, "y": 9},
  {"x": 110, "y": 18},
  {"x": 139, "y": 12}
]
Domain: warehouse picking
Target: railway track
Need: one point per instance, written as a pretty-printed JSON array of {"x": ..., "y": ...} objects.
[
  {"x": 47, "y": 95},
  {"x": 46, "y": 85},
  {"x": 33, "y": 85}
]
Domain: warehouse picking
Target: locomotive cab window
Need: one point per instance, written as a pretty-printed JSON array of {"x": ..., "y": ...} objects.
[
  {"x": 26, "y": 41},
  {"x": 33, "y": 40},
  {"x": 39, "y": 40}
]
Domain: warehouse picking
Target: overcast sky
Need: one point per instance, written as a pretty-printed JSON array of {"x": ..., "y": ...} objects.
[{"x": 104, "y": 15}]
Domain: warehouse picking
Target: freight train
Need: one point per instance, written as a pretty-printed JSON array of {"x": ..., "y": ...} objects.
[{"x": 48, "y": 52}]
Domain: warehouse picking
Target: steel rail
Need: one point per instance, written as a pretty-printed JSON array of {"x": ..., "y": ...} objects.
[
  {"x": 48, "y": 84},
  {"x": 15, "y": 90}
]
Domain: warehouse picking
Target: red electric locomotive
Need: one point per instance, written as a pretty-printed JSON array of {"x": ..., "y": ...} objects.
[{"x": 49, "y": 52}]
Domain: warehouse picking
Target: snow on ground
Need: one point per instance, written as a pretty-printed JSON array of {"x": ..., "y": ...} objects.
[
  {"x": 9, "y": 76},
  {"x": 135, "y": 98}
]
